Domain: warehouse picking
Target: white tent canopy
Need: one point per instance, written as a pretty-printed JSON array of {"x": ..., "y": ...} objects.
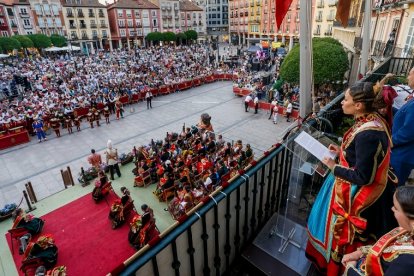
[
  {"x": 63, "y": 49},
  {"x": 4, "y": 56},
  {"x": 53, "y": 49}
]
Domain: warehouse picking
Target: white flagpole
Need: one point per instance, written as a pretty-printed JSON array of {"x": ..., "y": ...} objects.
[
  {"x": 306, "y": 67},
  {"x": 366, "y": 34}
]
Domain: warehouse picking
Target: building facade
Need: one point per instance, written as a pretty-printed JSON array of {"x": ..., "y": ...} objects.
[
  {"x": 217, "y": 18},
  {"x": 86, "y": 24},
  {"x": 387, "y": 36},
  {"x": 4, "y": 22},
  {"x": 47, "y": 17},
  {"x": 131, "y": 20},
  {"x": 192, "y": 18},
  {"x": 324, "y": 17},
  {"x": 254, "y": 20}
]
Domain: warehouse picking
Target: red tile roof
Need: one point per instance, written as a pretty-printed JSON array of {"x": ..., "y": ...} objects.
[
  {"x": 186, "y": 5},
  {"x": 133, "y": 4}
]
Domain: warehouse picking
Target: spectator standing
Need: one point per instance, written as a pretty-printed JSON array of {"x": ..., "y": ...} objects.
[
  {"x": 275, "y": 113},
  {"x": 273, "y": 104},
  {"x": 289, "y": 109},
  {"x": 247, "y": 102},
  {"x": 403, "y": 138},
  {"x": 256, "y": 104},
  {"x": 148, "y": 97}
]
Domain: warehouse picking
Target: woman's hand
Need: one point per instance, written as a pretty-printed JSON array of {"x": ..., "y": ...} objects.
[
  {"x": 334, "y": 148},
  {"x": 329, "y": 162},
  {"x": 351, "y": 258}
]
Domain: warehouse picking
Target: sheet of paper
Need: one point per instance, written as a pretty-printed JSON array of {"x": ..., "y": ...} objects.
[{"x": 313, "y": 146}]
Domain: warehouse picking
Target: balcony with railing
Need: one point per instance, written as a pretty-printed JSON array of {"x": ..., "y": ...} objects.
[
  {"x": 91, "y": 14},
  {"x": 85, "y": 37},
  {"x": 69, "y": 14},
  {"x": 83, "y": 26},
  {"x": 101, "y": 14},
  {"x": 103, "y": 25},
  {"x": 72, "y": 26},
  {"x": 80, "y": 14},
  {"x": 346, "y": 35},
  {"x": 213, "y": 235},
  {"x": 93, "y": 25},
  {"x": 332, "y": 3}
]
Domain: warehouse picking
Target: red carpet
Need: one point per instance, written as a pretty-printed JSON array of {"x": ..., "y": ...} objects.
[{"x": 83, "y": 234}]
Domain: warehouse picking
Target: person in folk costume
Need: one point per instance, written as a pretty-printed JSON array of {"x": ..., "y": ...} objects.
[
  {"x": 38, "y": 127},
  {"x": 393, "y": 253},
  {"x": 69, "y": 124},
  {"x": 112, "y": 160},
  {"x": 77, "y": 120},
  {"x": 97, "y": 116},
  {"x": 91, "y": 117},
  {"x": 54, "y": 123},
  {"x": 106, "y": 114},
  {"x": 353, "y": 207},
  {"x": 119, "y": 109}
]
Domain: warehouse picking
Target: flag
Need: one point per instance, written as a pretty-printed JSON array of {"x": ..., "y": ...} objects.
[
  {"x": 342, "y": 12},
  {"x": 282, "y": 7}
]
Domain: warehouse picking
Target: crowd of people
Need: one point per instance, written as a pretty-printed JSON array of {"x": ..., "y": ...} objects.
[
  {"x": 55, "y": 87},
  {"x": 189, "y": 165},
  {"x": 359, "y": 224}
]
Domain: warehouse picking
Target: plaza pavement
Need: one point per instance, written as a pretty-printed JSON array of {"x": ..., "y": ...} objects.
[{"x": 41, "y": 163}]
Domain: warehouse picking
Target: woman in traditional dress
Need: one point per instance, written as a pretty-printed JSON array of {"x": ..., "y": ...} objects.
[
  {"x": 45, "y": 249},
  {"x": 31, "y": 224},
  {"x": 141, "y": 231},
  {"x": 353, "y": 207},
  {"x": 393, "y": 253},
  {"x": 102, "y": 187},
  {"x": 120, "y": 208}
]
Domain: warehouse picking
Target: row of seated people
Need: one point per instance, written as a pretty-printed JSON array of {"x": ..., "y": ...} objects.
[
  {"x": 193, "y": 159},
  {"x": 40, "y": 254},
  {"x": 142, "y": 227}
]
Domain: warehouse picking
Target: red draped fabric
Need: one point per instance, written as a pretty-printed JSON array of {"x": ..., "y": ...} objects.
[
  {"x": 342, "y": 12},
  {"x": 282, "y": 7}
]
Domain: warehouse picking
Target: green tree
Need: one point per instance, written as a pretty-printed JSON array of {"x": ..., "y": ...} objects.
[
  {"x": 181, "y": 37},
  {"x": 191, "y": 35},
  {"x": 169, "y": 36},
  {"x": 330, "y": 62},
  {"x": 25, "y": 42},
  {"x": 40, "y": 41},
  {"x": 9, "y": 44},
  {"x": 58, "y": 40},
  {"x": 327, "y": 39},
  {"x": 154, "y": 37}
]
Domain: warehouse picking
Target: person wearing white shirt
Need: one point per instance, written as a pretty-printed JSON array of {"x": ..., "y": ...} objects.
[
  {"x": 272, "y": 106},
  {"x": 247, "y": 101},
  {"x": 256, "y": 104},
  {"x": 289, "y": 109}
]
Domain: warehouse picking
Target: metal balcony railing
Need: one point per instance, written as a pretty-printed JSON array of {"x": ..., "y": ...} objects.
[{"x": 213, "y": 235}]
